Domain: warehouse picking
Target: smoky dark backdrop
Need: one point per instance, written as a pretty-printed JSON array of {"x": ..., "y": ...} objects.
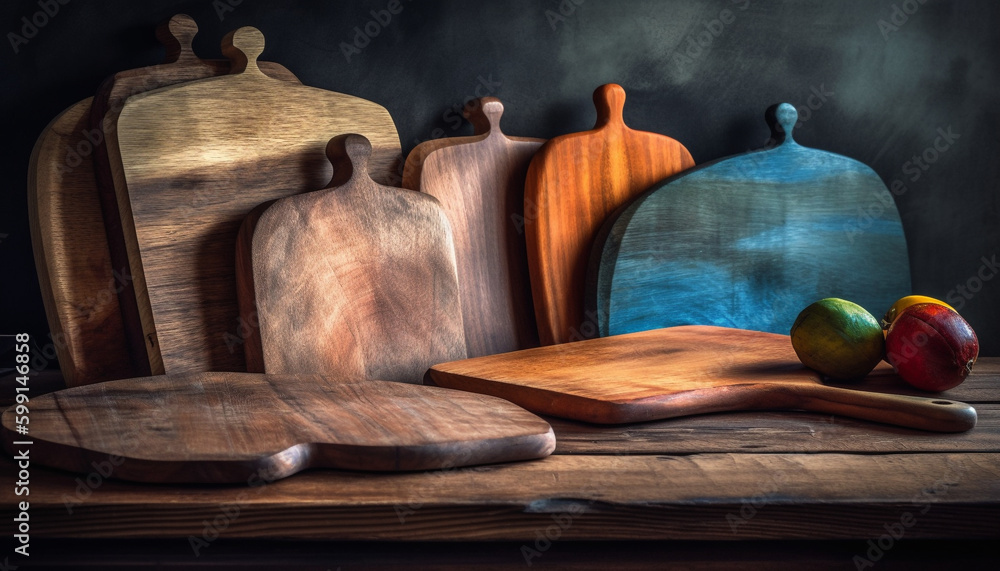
[{"x": 875, "y": 80}]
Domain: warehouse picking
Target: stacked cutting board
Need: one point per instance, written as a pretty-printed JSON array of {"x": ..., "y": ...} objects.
[{"x": 239, "y": 287}]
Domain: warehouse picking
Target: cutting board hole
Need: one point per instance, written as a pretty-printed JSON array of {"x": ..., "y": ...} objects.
[{"x": 942, "y": 402}]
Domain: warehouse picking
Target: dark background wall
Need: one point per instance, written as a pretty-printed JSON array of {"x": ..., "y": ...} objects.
[{"x": 875, "y": 80}]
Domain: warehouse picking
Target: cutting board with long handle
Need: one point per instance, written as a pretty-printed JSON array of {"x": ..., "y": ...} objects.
[
  {"x": 680, "y": 371},
  {"x": 748, "y": 241},
  {"x": 574, "y": 183},
  {"x": 80, "y": 286},
  {"x": 357, "y": 280},
  {"x": 479, "y": 181},
  {"x": 247, "y": 428},
  {"x": 189, "y": 161}
]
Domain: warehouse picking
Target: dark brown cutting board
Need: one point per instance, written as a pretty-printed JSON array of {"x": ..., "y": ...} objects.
[
  {"x": 238, "y": 427},
  {"x": 480, "y": 183},
  {"x": 574, "y": 183},
  {"x": 680, "y": 371},
  {"x": 357, "y": 280},
  {"x": 192, "y": 160}
]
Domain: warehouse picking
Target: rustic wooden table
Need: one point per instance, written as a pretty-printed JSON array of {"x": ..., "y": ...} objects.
[{"x": 700, "y": 492}]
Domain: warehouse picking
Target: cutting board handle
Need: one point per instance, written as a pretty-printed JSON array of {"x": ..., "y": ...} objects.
[
  {"x": 937, "y": 414},
  {"x": 484, "y": 114},
  {"x": 609, "y": 99},
  {"x": 349, "y": 155},
  {"x": 243, "y": 46},
  {"x": 177, "y": 34},
  {"x": 781, "y": 119}
]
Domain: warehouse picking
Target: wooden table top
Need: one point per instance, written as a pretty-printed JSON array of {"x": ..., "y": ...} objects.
[{"x": 755, "y": 475}]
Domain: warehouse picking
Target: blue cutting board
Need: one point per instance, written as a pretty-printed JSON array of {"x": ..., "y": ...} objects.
[{"x": 748, "y": 241}]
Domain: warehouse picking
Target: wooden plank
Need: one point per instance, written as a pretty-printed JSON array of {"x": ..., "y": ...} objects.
[
  {"x": 679, "y": 371},
  {"x": 195, "y": 159},
  {"x": 226, "y": 427},
  {"x": 357, "y": 280},
  {"x": 573, "y": 184},
  {"x": 266, "y": 555},
  {"x": 749, "y": 241},
  {"x": 703, "y": 497},
  {"x": 784, "y": 432},
  {"x": 480, "y": 183}
]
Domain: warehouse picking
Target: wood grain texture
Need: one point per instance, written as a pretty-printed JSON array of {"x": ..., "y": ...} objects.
[
  {"x": 574, "y": 183},
  {"x": 750, "y": 240},
  {"x": 227, "y": 427},
  {"x": 681, "y": 371},
  {"x": 480, "y": 183},
  {"x": 195, "y": 158},
  {"x": 79, "y": 288},
  {"x": 804, "y": 496},
  {"x": 357, "y": 280},
  {"x": 783, "y": 432},
  {"x": 80, "y": 285}
]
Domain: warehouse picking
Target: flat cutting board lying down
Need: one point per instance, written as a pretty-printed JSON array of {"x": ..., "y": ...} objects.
[
  {"x": 574, "y": 182},
  {"x": 80, "y": 287},
  {"x": 356, "y": 280},
  {"x": 748, "y": 241},
  {"x": 195, "y": 158},
  {"x": 480, "y": 183},
  {"x": 232, "y": 427},
  {"x": 680, "y": 371}
]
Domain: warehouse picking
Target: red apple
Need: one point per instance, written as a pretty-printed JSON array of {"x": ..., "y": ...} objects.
[{"x": 931, "y": 347}]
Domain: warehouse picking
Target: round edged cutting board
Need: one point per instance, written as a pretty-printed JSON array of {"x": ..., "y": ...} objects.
[{"x": 232, "y": 427}]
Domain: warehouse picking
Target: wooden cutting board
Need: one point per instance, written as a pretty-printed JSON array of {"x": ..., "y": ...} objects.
[
  {"x": 749, "y": 241},
  {"x": 189, "y": 162},
  {"x": 680, "y": 371},
  {"x": 357, "y": 280},
  {"x": 80, "y": 286},
  {"x": 574, "y": 182},
  {"x": 253, "y": 429},
  {"x": 480, "y": 183}
]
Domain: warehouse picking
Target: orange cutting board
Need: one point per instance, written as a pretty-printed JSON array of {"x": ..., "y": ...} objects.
[
  {"x": 680, "y": 371},
  {"x": 480, "y": 183},
  {"x": 189, "y": 162},
  {"x": 357, "y": 280},
  {"x": 80, "y": 286},
  {"x": 573, "y": 184},
  {"x": 252, "y": 429}
]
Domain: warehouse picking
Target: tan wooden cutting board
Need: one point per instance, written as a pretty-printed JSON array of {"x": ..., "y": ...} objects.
[
  {"x": 81, "y": 287},
  {"x": 189, "y": 162}
]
